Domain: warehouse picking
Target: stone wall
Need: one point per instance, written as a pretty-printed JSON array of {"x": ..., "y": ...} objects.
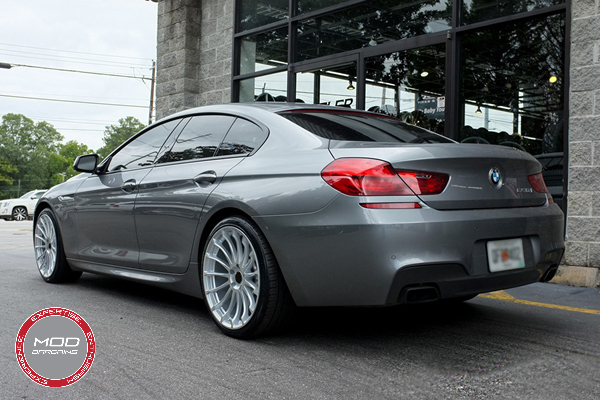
[
  {"x": 193, "y": 54},
  {"x": 582, "y": 258}
]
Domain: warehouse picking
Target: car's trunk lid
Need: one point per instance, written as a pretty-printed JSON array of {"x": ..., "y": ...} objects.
[{"x": 471, "y": 168}]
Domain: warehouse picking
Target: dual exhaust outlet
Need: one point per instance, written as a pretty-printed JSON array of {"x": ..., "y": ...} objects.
[{"x": 430, "y": 293}]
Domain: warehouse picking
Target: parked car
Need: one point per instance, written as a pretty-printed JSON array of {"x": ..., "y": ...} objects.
[
  {"x": 20, "y": 209},
  {"x": 259, "y": 208}
]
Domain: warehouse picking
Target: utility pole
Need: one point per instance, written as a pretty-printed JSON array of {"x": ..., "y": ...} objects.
[{"x": 152, "y": 84}]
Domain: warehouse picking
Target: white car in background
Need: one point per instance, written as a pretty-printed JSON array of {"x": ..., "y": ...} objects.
[{"x": 20, "y": 209}]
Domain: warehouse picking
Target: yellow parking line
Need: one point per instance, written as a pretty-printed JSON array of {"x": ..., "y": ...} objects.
[{"x": 502, "y": 295}]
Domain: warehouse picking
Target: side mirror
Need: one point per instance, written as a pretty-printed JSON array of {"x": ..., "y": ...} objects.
[{"x": 86, "y": 163}]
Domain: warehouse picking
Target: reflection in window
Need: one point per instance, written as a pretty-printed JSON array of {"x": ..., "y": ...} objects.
[
  {"x": 142, "y": 151},
  {"x": 409, "y": 85},
  {"x": 267, "y": 88},
  {"x": 243, "y": 138},
  {"x": 512, "y": 85},
  {"x": 332, "y": 86},
  {"x": 370, "y": 24},
  {"x": 482, "y": 10},
  {"x": 263, "y": 50},
  {"x": 305, "y": 6},
  {"x": 199, "y": 139},
  {"x": 361, "y": 127},
  {"x": 254, "y": 13}
]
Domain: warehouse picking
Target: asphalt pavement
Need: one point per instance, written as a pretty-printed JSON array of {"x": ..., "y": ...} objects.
[{"x": 541, "y": 341}]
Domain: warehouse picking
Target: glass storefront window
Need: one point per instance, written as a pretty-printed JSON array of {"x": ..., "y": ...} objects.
[
  {"x": 482, "y": 10},
  {"x": 334, "y": 86},
  {"x": 305, "y": 6},
  {"x": 263, "y": 50},
  {"x": 409, "y": 85},
  {"x": 255, "y": 13},
  {"x": 272, "y": 87},
  {"x": 512, "y": 85},
  {"x": 369, "y": 24}
]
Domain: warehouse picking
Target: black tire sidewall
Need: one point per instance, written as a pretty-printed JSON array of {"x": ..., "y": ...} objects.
[
  {"x": 61, "y": 269},
  {"x": 19, "y": 208}
]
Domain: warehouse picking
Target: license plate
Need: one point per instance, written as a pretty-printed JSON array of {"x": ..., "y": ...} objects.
[{"x": 504, "y": 255}]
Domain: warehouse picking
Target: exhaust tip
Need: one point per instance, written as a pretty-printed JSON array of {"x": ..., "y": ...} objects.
[
  {"x": 549, "y": 274},
  {"x": 421, "y": 294}
]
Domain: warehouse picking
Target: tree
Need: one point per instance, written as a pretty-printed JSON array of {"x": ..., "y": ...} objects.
[
  {"x": 114, "y": 135},
  {"x": 69, "y": 152},
  {"x": 28, "y": 154},
  {"x": 6, "y": 170}
]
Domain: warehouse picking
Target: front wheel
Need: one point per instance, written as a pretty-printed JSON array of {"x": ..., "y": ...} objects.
[
  {"x": 49, "y": 252},
  {"x": 242, "y": 284},
  {"x": 19, "y": 214}
]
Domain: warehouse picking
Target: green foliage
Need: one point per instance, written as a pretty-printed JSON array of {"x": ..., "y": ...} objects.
[
  {"x": 6, "y": 170},
  {"x": 114, "y": 135},
  {"x": 69, "y": 152},
  {"x": 33, "y": 157},
  {"x": 27, "y": 153}
]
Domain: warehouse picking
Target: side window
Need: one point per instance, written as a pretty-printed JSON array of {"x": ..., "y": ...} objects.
[
  {"x": 200, "y": 138},
  {"x": 243, "y": 138},
  {"x": 142, "y": 151}
]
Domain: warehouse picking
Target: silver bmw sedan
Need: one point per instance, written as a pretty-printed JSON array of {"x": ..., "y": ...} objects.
[{"x": 261, "y": 208}]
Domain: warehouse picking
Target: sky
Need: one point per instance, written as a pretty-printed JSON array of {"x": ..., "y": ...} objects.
[{"x": 99, "y": 36}]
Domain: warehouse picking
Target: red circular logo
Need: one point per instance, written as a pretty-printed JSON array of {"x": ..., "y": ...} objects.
[{"x": 55, "y": 347}]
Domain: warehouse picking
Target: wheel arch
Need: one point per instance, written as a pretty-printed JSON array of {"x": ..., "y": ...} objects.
[
  {"x": 230, "y": 211},
  {"x": 39, "y": 208},
  {"x": 12, "y": 211}
]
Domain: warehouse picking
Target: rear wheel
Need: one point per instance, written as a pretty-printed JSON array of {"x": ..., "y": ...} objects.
[
  {"x": 242, "y": 284},
  {"x": 19, "y": 214},
  {"x": 49, "y": 252}
]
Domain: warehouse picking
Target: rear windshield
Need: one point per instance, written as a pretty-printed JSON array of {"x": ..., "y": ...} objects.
[{"x": 361, "y": 127}]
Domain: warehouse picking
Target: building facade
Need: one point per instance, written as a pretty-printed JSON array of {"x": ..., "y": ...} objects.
[{"x": 520, "y": 73}]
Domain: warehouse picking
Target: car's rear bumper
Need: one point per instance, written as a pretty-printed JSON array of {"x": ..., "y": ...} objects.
[{"x": 341, "y": 256}]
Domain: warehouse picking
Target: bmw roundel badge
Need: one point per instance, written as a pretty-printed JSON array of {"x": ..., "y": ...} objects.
[{"x": 495, "y": 178}]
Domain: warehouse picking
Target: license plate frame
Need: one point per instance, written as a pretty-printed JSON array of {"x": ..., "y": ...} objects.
[{"x": 505, "y": 255}]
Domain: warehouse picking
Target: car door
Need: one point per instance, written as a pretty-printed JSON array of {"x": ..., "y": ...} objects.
[
  {"x": 104, "y": 202},
  {"x": 172, "y": 196}
]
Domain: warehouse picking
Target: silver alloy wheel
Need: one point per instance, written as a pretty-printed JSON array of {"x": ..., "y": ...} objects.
[
  {"x": 20, "y": 214},
  {"x": 45, "y": 245},
  {"x": 231, "y": 277}
]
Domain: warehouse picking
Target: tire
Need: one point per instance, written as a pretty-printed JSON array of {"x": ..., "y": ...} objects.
[
  {"x": 49, "y": 252},
  {"x": 19, "y": 214},
  {"x": 242, "y": 285}
]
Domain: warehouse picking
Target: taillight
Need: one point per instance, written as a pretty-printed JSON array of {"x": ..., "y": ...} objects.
[
  {"x": 370, "y": 177},
  {"x": 424, "y": 182},
  {"x": 364, "y": 177},
  {"x": 537, "y": 183}
]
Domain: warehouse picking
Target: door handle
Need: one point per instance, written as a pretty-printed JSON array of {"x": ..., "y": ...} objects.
[
  {"x": 129, "y": 186},
  {"x": 206, "y": 178}
]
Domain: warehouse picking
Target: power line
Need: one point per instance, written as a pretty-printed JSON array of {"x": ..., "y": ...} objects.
[
  {"x": 63, "y": 58},
  {"x": 70, "y": 121},
  {"x": 72, "y": 101},
  {"x": 71, "y": 96},
  {"x": 75, "y": 52},
  {"x": 81, "y": 72},
  {"x": 75, "y": 129},
  {"x": 101, "y": 63}
]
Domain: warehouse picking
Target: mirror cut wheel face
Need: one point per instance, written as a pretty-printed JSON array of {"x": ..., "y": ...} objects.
[{"x": 231, "y": 277}]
